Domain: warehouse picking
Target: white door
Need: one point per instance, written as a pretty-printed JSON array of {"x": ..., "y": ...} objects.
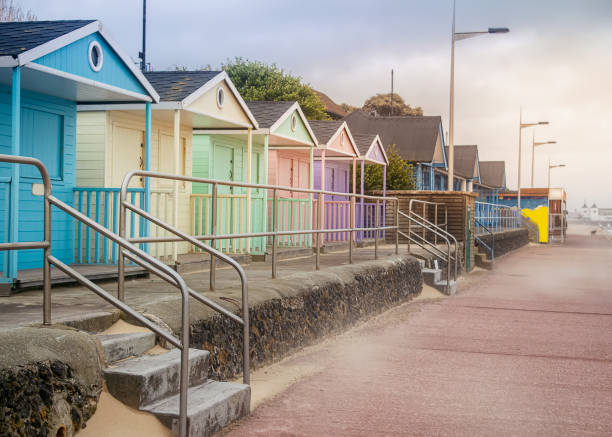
[{"x": 128, "y": 155}]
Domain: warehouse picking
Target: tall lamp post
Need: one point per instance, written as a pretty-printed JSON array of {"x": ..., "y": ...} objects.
[
  {"x": 535, "y": 144},
  {"x": 520, "y": 151},
  {"x": 458, "y": 36},
  {"x": 551, "y": 167}
]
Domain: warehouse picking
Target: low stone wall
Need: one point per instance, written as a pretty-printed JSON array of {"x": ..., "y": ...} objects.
[
  {"x": 507, "y": 241},
  {"x": 50, "y": 381},
  {"x": 294, "y": 312}
]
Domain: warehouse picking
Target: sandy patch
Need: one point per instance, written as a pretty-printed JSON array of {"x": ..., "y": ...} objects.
[
  {"x": 123, "y": 327},
  {"x": 114, "y": 418},
  {"x": 429, "y": 293}
]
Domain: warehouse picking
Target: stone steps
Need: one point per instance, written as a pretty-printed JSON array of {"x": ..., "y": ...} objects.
[{"x": 151, "y": 383}]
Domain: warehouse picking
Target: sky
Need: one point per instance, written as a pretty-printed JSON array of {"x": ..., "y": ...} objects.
[{"x": 556, "y": 63}]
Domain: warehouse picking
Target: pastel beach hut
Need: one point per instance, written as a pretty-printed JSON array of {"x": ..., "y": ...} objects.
[
  {"x": 335, "y": 169},
  {"x": 371, "y": 152},
  {"x": 111, "y": 143},
  {"x": 290, "y": 143},
  {"x": 47, "y": 68}
]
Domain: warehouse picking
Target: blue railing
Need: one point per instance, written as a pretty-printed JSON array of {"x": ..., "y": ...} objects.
[
  {"x": 491, "y": 217},
  {"x": 102, "y": 205}
]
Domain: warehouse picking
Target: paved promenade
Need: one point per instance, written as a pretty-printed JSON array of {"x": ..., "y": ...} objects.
[{"x": 523, "y": 350}]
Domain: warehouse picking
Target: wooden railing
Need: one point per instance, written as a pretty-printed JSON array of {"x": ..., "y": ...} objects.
[{"x": 293, "y": 214}]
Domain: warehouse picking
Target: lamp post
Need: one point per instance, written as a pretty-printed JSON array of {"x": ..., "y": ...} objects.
[
  {"x": 520, "y": 151},
  {"x": 535, "y": 144},
  {"x": 458, "y": 36},
  {"x": 551, "y": 167}
]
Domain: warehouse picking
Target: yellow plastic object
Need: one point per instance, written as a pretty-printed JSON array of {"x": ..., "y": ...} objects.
[{"x": 540, "y": 217}]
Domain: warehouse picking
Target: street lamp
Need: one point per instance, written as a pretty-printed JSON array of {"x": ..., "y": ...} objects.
[
  {"x": 520, "y": 149},
  {"x": 550, "y": 167},
  {"x": 535, "y": 144},
  {"x": 458, "y": 36}
]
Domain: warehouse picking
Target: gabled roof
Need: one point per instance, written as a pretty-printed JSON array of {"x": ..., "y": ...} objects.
[
  {"x": 414, "y": 136},
  {"x": 493, "y": 173},
  {"x": 175, "y": 86},
  {"x": 327, "y": 130},
  {"x": 465, "y": 159},
  {"x": 332, "y": 108},
  {"x": 366, "y": 142},
  {"x": 19, "y": 37},
  {"x": 267, "y": 113}
]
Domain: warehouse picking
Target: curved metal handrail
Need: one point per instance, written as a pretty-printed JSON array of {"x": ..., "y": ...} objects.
[{"x": 491, "y": 248}]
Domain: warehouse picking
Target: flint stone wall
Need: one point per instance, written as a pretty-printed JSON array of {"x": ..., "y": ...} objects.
[
  {"x": 507, "y": 241},
  {"x": 50, "y": 379},
  {"x": 295, "y": 311}
]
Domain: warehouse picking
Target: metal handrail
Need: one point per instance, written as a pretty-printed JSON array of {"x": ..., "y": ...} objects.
[
  {"x": 273, "y": 233},
  {"x": 491, "y": 248},
  {"x": 436, "y": 230},
  {"x": 48, "y": 260}
]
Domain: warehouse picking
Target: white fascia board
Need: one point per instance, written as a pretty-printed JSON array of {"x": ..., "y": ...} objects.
[
  {"x": 8, "y": 61},
  {"x": 57, "y": 43},
  {"x": 83, "y": 80},
  {"x": 289, "y": 147},
  {"x": 285, "y": 137},
  {"x": 127, "y": 106},
  {"x": 222, "y": 76},
  {"x": 216, "y": 131},
  {"x": 224, "y": 120},
  {"x": 379, "y": 142},
  {"x": 333, "y": 137}
]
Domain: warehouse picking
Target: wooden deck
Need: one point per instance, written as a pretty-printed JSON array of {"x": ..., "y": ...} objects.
[{"x": 32, "y": 278}]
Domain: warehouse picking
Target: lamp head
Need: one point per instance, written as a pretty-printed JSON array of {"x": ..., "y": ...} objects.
[
  {"x": 498, "y": 30},
  {"x": 543, "y": 122}
]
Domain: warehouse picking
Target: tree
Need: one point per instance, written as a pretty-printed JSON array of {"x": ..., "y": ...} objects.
[
  {"x": 385, "y": 105},
  {"x": 348, "y": 107},
  {"x": 258, "y": 81},
  {"x": 400, "y": 174},
  {"x": 9, "y": 11}
]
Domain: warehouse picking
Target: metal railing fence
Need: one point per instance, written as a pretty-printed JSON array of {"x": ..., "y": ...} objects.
[
  {"x": 135, "y": 253},
  {"x": 497, "y": 218}
]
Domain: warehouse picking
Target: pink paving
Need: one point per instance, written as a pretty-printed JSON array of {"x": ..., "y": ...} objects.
[{"x": 524, "y": 350}]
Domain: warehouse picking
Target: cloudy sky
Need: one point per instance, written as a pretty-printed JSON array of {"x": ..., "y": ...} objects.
[{"x": 556, "y": 63}]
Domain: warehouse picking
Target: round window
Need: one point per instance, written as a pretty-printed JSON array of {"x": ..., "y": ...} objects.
[
  {"x": 220, "y": 97},
  {"x": 95, "y": 56},
  {"x": 293, "y": 122}
]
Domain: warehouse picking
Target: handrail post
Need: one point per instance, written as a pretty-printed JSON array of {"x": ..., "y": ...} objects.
[
  {"x": 352, "y": 232},
  {"x": 318, "y": 234},
  {"x": 46, "y": 255},
  {"x": 213, "y": 232},
  {"x": 436, "y": 222},
  {"x": 274, "y": 229},
  {"x": 397, "y": 228},
  {"x": 120, "y": 257},
  {"x": 377, "y": 218}
]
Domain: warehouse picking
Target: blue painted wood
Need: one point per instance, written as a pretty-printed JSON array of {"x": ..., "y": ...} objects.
[
  {"x": 74, "y": 59},
  {"x": 88, "y": 231},
  {"x": 96, "y": 234},
  {"x": 79, "y": 205},
  {"x": 147, "y": 202},
  {"x": 106, "y": 217},
  {"x": 13, "y": 256},
  {"x": 115, "y": 222}
]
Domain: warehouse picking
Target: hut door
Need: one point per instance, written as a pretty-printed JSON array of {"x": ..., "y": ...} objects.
[
  {"x": 304, "y": 177},
  {"x": 223, "y": 167},
  {"x": 285, "y": 175},
  {"x": 128, "y": 155}
]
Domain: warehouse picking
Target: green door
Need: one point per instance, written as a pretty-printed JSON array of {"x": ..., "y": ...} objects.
[{"x": 223, "y": 167}]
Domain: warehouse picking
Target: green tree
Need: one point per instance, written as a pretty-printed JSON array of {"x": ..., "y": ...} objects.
[
  {"x": 399, "y": 174},
  {"x": 258, "y": 81},
  {"x": 386, "y": 104}
]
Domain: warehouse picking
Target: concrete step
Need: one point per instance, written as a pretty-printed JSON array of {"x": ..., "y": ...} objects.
[
  {"x": 431, "y": 276},
  {"x": 483, "y": 261},
  {"x": 441, "y": 285},
  {"x": 142, "y": 381},
  {"x": 121, "y": 346},
  {"x": 195, "y": 262},
  {"x": 211, "y": 406}
]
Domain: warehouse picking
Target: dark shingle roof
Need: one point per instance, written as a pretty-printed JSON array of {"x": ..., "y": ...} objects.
[
  {"x": 174, "y": 86},
  {"x": 19, "y": 37},
  {"x": 363, "y": 142},
  {"x": 325, "y": 129},
  {"x": 464, "y": 160},
  {"x": 493, "y": 173},
  {"x": 414, "y": 137},
  {"x": 266, "y": 112}
]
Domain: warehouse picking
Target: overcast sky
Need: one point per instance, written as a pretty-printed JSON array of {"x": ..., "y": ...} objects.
[{"x": 556, "y": 62}]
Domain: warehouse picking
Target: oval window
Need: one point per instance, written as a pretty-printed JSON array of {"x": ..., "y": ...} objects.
[
  {"x": 342, "y": 139},
  {"x": 220, "y": 97},
  {"x": 95, "y": 56},
  {"x": 293, "y": 123}
]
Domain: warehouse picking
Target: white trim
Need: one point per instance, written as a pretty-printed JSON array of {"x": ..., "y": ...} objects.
[
  {"x": 92, "y": 46},
  {"x": 8, "y": 61},
  {"x": 83, "y": 80},
  {"x": 285, "y": 137},
  {"x": 127, "y": 106},
  {"x": 217, "y": 131},
  {"x": 333, "y": 137},
  {"x": 211, "y": 84},
  {"x": 58, "y": 43},
  {"x": 55, "y": 44},
  {"x": 220, "y": 97},
  {"x": 377, "y": 140},
  {"x": 289, "y": 147},
  {"x": 222, "y": 119},
  {"x": 296, "y": 107}
]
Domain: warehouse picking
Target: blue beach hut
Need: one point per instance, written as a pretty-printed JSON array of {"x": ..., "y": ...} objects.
[{"x": 46, "y": 69}]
